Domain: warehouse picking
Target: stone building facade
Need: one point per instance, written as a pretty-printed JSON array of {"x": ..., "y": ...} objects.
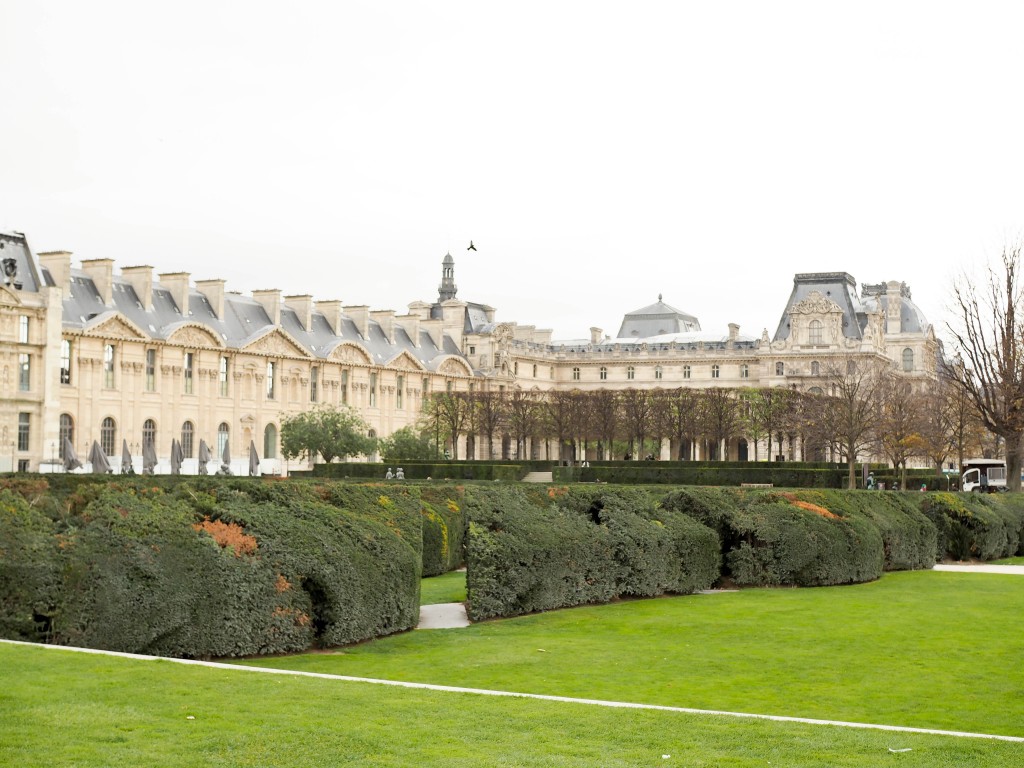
[{"x": 135, "y": 356}]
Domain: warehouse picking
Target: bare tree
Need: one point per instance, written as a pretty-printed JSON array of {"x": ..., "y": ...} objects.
[
  {"x": 854, "y": 406},
  {"x": 678, "y": 415},
  {"x": 899, "y": 433},
  {"x": 452, "y": 410},
  {"x": 637, "y": 417},
  {"x": 989, "y": 336},
  {"x": 605, "y": 418},
  {"x": 721, "y": 418},
  {"x": 489, "y": 415},
  {"x": 524, "y": 417}
]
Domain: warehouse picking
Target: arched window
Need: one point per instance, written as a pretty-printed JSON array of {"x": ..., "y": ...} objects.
[
  {"x": 108, "y": 436},
  {"x": 148, "y": 433},
  {"x": 657, "y": 372},
  {"x": 270, "y": 442},
  {"x": 686, "y": 371},
  {"x": 908, "y": 359},
  {"x": 814, "y": 334},
  {"x": 631, "y": 372},
  {"x": 851, "y": 367},
  {"x": 535, "y": 371},
  {"x": 780, "y": 369},
  {"x": 603, "y": 373},
  {"x": 67, "y": 430},
  {"x": 744, "y": 371},
  {"x": 188, "y": 431},
  {"x": 815, "y": 391},
  {"x": 716, "y": 371},
  {"x": 222, "y": 439},
  {"x": 815, "y": 368},
  {"x": 575, "y": 374}
]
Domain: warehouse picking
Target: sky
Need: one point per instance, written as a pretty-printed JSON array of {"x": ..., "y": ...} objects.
[{"x": 597, "y": 154}]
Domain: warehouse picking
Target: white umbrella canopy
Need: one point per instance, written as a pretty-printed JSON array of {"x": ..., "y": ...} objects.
[
  {"x": 177, "y": 456},
  {"x": 70, "y": 457},
  {"x": 126, "y": 459},
  {"x": 204, "y": 456},
  {"x": 254, "y": 459},
  {"x": 148, "y": 457},
  {"x": 100, "y": 465}
]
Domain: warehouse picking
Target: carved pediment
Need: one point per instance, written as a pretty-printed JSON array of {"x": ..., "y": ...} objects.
[
  {"x": 195, "y": 336},
  {"x": 276, "y": 344},
  {"x": 453, "y": 366},
  {"x": 117, "y": 327},
  {"x": 9, "y": 298},
  {"x": 815, "y": 304},
  {"x": 350, "y": 353},
  {"x": 405, "y": 362}
]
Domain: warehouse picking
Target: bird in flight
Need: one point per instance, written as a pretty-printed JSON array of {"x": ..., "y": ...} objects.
[{"x": 471, "y": 246}]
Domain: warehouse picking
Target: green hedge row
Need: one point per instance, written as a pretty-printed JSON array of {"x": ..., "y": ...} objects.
[
  {"x": 444, "y": 529},
  {"x": 584, "y": 545},
  {"x": 444, "y": 470},
  {"x": 208, "y": 567},
  {"x": 976, "y": 526},
  {"x": 712, "y": 473}
]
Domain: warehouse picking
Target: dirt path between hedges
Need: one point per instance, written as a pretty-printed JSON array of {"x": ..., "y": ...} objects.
[{"x": 1015, "y": 570}]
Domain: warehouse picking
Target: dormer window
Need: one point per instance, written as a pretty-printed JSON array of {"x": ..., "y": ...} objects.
[{"x": 814, "y": 332}]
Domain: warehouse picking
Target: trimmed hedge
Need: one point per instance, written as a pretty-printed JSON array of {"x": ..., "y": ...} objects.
[
  {"x": 442, "y": 470},
  {"x": 444, "y": 529},
  {"x": 584, "y": 546},
  {"x": 215, "y": 567},
  {"x": 976, "y": 526},
  {"x": 713, "y": 474}
]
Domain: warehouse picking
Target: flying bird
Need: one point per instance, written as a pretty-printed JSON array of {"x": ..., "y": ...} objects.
[{"x": 471, "y": 246}]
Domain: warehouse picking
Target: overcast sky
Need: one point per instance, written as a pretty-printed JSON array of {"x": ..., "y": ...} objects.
[{"x": 598, "y": 154}]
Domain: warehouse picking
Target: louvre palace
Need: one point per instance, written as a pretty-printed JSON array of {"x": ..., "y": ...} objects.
[{"x": 127, "y": 357}]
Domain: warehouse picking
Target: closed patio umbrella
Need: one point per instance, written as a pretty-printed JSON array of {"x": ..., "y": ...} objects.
[
  {"x": 126, "y": 459},
  {"x": 204, "y": 456},
  {"x": 177, "y": 456},
  {"x": 100, "y": 465},
  {"x": 254, "y": 459},
  {"x": 148, "y": 458},
  {"x": 70, "y": 457}
]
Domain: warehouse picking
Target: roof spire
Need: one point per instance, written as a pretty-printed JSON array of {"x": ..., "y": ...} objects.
[
  {"x": 447, "y": 289},
  {"x": 659, "y": 297}
]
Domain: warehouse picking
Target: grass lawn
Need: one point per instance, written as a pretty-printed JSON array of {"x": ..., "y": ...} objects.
[
  {"x": 447, "y": 588},
  {"x": 922, "y": 649},
  {"x": 59, "y": 708},
  {"x": 1009, "y": 561}
]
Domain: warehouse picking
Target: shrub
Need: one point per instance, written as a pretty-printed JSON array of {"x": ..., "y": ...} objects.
[
  {"x": 29, "y": 570},
  {"x": 965, "y": 525},
  {"x": 444, "y": 529}
]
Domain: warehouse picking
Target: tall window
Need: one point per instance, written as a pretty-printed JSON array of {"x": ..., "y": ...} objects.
[
  {"x": 551, "y": 372},
  {"x": 814, "y": 335},
  {"x": 24, "y": 371},
  {"x": 223, "y": 376},
  {"x": 373, "y": 390},
  {"x": 67, "y": 430},
  {"x": 270, "y": 442},
  {"x": 65, "y": 361},
  {"x": 851, "y": 367},
  {"x": 716, "y": 371},
  {"x": 148, "y": 434},
  {"x": 535, "y": 370},
  {"x": 631, "y": 372},
  {"x": 222, "y": 439},
  {"x": 271, "y": 379},
  {"x": 780, "y": 369},
  {"x": 744, "y": 371},
  {"x": 23, "y": 329},
  {"x": 448, "y": 386},
  {"x": 815, "y": 368},
  {"x": 426, "y": 391},
  {"x": 108, "y": 436},
  {"x": 908, "y": 359},
  {"x": 151, "y": 370},
  {"x": 515, "y": 368},
  {"x": 603, "y": 373},
  {"x": 399, "y": 388},
  {"x": 188, "y": 432},
  {"x": 190, "y": 362},
  {"x": 314, "y": 383},
  {"x": 24, "y": 424},
  {"x": 686, "y": 371},
  {"x": 108, "y": 366},
  {"x": 344, "y": 387},
  {"x": 575, "y": 374},
  {"x": 657, "y": 372}
]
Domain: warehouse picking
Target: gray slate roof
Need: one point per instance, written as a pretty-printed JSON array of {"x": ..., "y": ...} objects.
[{"x": 658, "y": 319}]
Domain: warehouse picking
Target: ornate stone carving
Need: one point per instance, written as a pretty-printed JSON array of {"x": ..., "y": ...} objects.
[
  {"x": 815, "y": 304},
  {"x": 451, "y": 367},
  {"x": 404, "y": 363},
  {"x": 115, "y": 328},
  {"x": 275, "y": 345},
  {"x": 191, "y": 336},
  {"x": 349, "y": 353}
]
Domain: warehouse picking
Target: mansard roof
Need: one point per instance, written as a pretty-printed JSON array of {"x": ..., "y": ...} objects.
[{"x": 658, "y": 319}]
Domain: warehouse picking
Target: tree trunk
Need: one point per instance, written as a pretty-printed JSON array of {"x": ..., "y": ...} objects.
[{"x": 1013, "y": 462}]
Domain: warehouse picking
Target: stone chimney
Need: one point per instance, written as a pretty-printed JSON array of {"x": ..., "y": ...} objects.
[
  {"x": 436, "y": 330},
  {"x": 213, "y": 290},
  {"x": 596, "y": 335},
  {"x": 893, "y": 310},
  {"x": 734, "y": 331},
  {"x": 141, "y": 280},
  {"x": 177, "y": 284},
  {"x": 101, "y": 271},
  {"x": 270, "y": 300},
  {"x": 331, "y": 310},
  {"x": 542, "y": 336},
  {"x": 303, "y": 307},
  {"x": 421, "y": 309},
  {"x": 360, "y": 315},
  {"x": 386, "y": 319},
  {"x": 59, "y": 265},
  {"x": 411, "y": 324}
]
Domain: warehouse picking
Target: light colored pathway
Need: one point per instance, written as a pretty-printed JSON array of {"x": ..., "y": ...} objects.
[
  {"x": 1016, "y": 570},
  {"x": 538, "y": 477},
  {"x": 516, "y": 695},
  {"x": 443, "y": 616}
]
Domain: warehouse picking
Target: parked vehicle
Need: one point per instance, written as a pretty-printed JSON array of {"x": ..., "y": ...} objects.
[{"x": 983, "y": 475}]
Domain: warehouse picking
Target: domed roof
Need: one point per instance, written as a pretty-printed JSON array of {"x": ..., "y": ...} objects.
[{"x": 656, "y": 319}]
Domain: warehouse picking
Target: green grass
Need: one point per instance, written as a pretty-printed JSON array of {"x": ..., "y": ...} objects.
[
  {"x": 59, "y": 708},
  {"x": 923, "y": 649},
  {"x": 447, "y": 588},
  {"x": 1009, "y": 561}
]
